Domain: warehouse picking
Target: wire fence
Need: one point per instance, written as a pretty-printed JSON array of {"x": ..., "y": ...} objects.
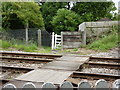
[{"x": 19, "y": 35}]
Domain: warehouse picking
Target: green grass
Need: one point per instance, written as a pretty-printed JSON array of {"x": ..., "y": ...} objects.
[
  {"x": 27, "y": 48},
  {"x": 21, "y": 46},
  {"x": 75, "y": 49},
  {"x": 105, "y": 43},
  {"x": 44, "y": 50},
  {"x": 4, "y": 44}
]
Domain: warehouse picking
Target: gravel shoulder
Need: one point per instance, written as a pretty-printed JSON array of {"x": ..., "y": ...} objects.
[{"x": 113, "y": 53}]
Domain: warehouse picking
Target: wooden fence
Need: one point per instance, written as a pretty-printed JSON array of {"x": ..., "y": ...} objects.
[{"x": 68, "y": 85}]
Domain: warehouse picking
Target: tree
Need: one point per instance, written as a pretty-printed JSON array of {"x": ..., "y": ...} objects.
[
  {"x": 21, "y": 13},
  {"x": 93, "y": 11},
  {"x": 49, "y": 10},
  {"x": 66, "y": 20}
]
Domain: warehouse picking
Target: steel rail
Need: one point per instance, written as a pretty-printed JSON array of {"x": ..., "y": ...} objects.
[
  {"x": 49, "y": 56},
  {"x": 25, "y": 59},
  {"x": 16, "y": 68},
  {"x": 104, "y": 59},
  {"x": 101, "y": 65},
  {"x": 77, "y": 74}
]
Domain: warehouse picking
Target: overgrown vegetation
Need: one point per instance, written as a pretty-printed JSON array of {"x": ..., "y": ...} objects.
[
  {"x": 9, "y": 45},
  {"x": 107, "y": 42}
]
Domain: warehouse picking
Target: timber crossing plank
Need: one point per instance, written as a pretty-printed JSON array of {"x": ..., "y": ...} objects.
[
  {"x": 56, "y": 71},
  {"x": 46, "y": 75},
  {"x": 68, "y": 63},
  {"x": 62, "y": 65}
]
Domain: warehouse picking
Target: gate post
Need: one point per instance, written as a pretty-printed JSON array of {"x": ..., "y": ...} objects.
[
  {"x": 61, "y": 40},
  {"x": 26, "y": 33},
  {"x": 39, "y": 38},
  {"x": 82, "y": 28},
  {"x": 84, "y": 37},
  {"x": 52, "y": 40},
  {"x": 55, "y": 41}
]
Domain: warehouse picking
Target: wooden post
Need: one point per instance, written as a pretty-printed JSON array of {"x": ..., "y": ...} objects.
[
  {"x": 26, "y": 30},
  {"x": 61, "y": 40},
  {"x": 52, "y": 40},
  {"x": 39, "y": 38}
]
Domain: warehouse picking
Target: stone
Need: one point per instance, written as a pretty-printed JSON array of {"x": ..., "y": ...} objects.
[
  {"x": 84, "y": 84},
  {"x": 29, "y": 86},
  {"x": 9, "y": 87},
  {"x": 116, "y": 84},
  {"x": 66, "y": 86},
  {"x": 48, "y": 86},
  {"x": 101, "y": 84}
]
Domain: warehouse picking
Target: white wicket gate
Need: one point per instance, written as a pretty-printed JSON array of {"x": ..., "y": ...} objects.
[{"x": 56, "y": 41}]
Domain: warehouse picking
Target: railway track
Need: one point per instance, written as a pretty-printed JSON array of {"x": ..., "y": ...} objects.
[
  {"x": 11, "y": 59},
  {"x": 23, "y": 62},
  {"x": 116, "y": 60},
  {"x": 35, "y": 55},
  {"x": 99, "y": 68},
  {"x": 26, "y": 59},
  {"x": 99, "y": 65},
  {"x": 16, "y": 68},
  {"x": 9, "y": 72},
  {"x": 15, "y": 64},
  {"x": 94, "y": 76}
]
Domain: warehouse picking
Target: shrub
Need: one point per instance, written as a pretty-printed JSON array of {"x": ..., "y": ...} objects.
[{"x": 105, "y": 43}]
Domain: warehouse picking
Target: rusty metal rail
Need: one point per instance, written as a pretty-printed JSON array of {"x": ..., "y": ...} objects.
[
  {"x": 15, "y": 68},
  {"x": 95, "y": 76},
  {"x": 49, "y": 56},
  {"x": 101, "y": 65},
  {"x": 105, "y": 59},
  {"x": 26, "y": 59}
]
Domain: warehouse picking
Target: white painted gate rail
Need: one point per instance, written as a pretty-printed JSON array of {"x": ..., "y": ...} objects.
[
  {"x": 56, "y": 41},
  {"x": 68, "y": 85}
]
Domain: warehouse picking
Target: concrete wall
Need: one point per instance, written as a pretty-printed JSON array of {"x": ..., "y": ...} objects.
[{"x": 94, "y": 30}]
